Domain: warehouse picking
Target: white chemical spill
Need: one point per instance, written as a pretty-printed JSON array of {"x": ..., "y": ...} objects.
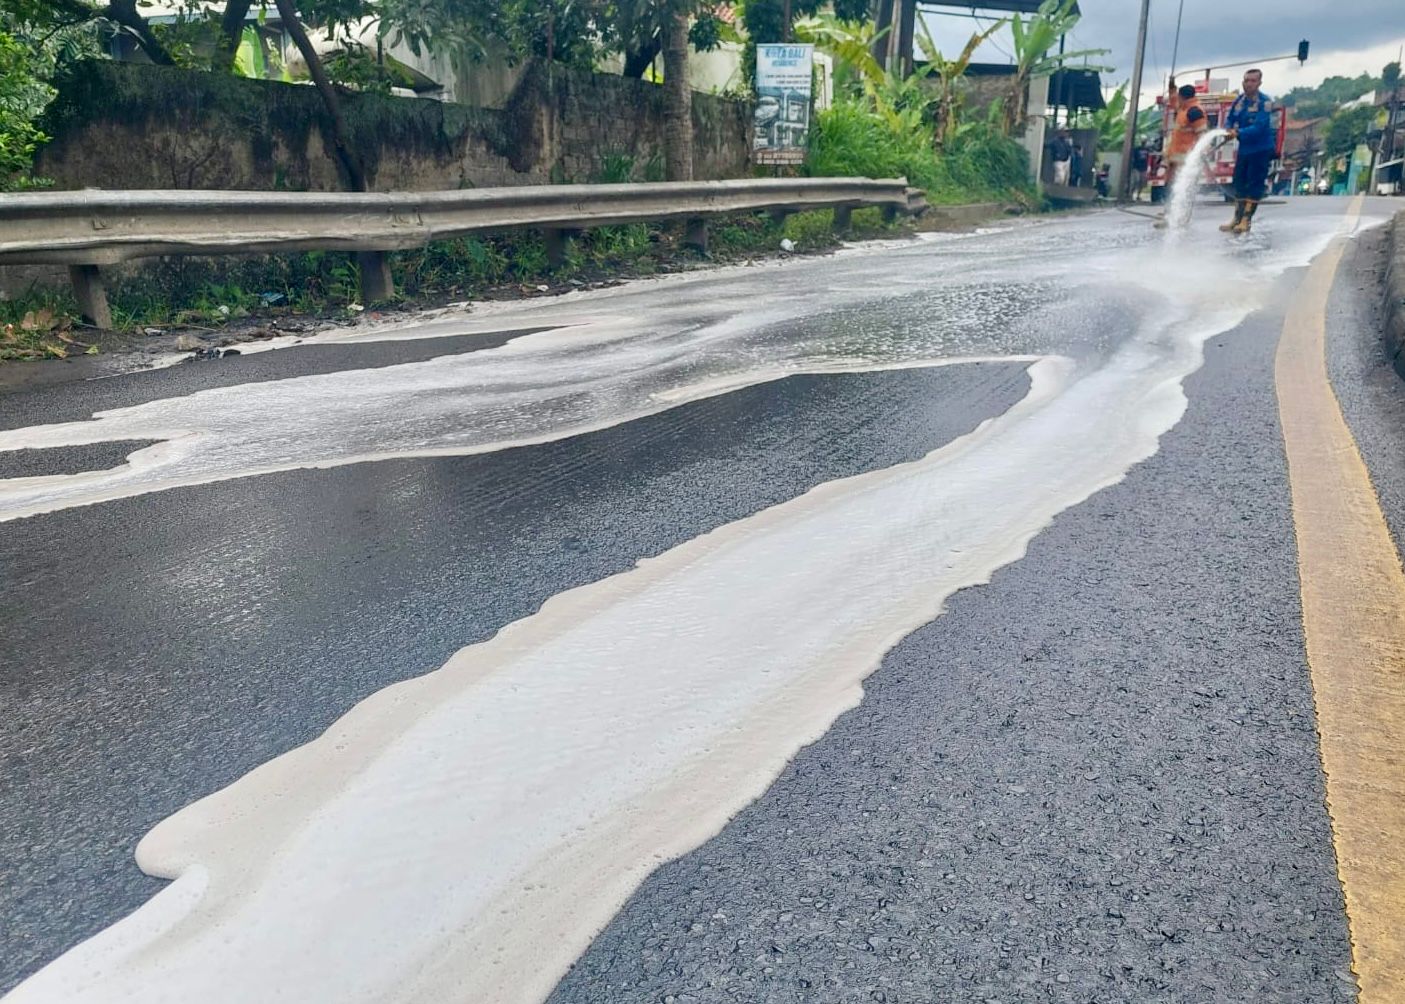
[
  {"x": 624, "y": 353},
  {"x": 460, "y": 837}
]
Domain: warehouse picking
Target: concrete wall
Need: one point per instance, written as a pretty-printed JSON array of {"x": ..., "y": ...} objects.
[{"x": 125, "y": 125}]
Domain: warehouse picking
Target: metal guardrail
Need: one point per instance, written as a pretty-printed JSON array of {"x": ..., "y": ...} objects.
[{"x": 88, "y": 229}]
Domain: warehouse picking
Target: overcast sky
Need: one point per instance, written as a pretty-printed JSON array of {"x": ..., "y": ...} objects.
[{"x": 1347, "y": 37}]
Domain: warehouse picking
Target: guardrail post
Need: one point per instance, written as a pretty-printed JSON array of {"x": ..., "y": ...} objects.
[
  {"x": 91, "y": 295},
  {"x": 695, "y": 234},
  {"x": 556, "y": 241},
  {"x": 779, "y": 216},
  {"x": 377, "y": 283},
  {"x": 843, "y": 218},
  {"x": 890, "y": 214}
]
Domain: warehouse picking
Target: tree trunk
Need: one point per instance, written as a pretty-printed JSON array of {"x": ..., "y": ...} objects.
[
  {"x": 231, "y": 34},
  {"x": 340, "y": 136},
  {"x": 124, "y": 12},
  {"x": 678, "y": 100},
  {"x": 1016, "y": 104}
]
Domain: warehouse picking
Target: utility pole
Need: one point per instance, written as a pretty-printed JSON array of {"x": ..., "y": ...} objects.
[
  {"x": 1124, "y": 183},
  {"x": 884, "y": 28},
  {"x": 907, "y": 32}
]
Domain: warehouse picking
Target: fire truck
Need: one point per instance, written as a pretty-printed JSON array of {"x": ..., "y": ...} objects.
[{"x": 1216, "y": 99}]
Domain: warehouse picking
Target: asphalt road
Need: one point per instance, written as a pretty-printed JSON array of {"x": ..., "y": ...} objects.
[{"x": 1095, "y": 778}]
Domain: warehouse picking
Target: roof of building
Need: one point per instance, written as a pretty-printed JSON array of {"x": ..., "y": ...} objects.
[
  {"x": 1074, "y": 87},
  {"x": 1007, "y": 6}
]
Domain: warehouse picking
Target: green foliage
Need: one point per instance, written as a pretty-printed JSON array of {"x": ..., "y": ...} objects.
[
  {"x": 357, "y": 67},
  {"x": 29, "y": 56},
  {"x": 1390, "y": 76},
  {"x": 765, "y": 19},
  {"x": 21, "y": 99},
  {"x": 1033, "y": 42},
  {"x": 978, "y": 164},
  {"x": 1347, "y": 129},
  {"x": 1326, "y": 97},
  {"x": 851, "y": 45},
  {"x": 947, "y": 76}
]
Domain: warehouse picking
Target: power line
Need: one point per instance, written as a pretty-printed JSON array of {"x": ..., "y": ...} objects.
[
  {"x": 1176, "y": 51},
  {"x": 979, "y": 23}
]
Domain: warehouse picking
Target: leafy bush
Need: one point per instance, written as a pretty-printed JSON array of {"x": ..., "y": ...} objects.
[
  {"x": 852, "y": 139},
  {"x": 21, "y": 99}
]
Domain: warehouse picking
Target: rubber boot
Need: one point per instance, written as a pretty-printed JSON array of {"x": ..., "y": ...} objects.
[
  {"x": 1251, "y": 206},
  {"x": 1233, "y": 224}
]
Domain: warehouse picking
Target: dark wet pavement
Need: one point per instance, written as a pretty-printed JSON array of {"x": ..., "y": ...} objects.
[
  {"x": 1095, "y": 779},
  {"x": 167, "y": 644}
]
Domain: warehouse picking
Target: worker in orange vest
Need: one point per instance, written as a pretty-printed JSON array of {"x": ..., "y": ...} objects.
[{"x": 1190, "y": 124}]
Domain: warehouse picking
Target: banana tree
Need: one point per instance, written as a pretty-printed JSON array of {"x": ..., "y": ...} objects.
[
  {"x": 850, "y": 43},
  {"x": 947, "y": 74},
  {"x": 1033, "y": 41}
]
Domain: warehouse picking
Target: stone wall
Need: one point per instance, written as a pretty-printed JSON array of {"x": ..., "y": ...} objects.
[{"x": 127, "y": 125}]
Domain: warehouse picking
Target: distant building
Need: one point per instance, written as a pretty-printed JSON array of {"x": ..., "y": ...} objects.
[{"x": 1387, "y": 142}]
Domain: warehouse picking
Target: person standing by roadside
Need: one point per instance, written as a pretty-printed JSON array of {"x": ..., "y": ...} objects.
[
  {"x": 1061, "y": 153},
  {"x": 1250, "y": 120},
  {"x": 1141, "y": 160}
]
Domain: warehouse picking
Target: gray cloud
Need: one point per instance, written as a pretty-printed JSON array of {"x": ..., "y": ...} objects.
[{"x": 1218, "y": 31}]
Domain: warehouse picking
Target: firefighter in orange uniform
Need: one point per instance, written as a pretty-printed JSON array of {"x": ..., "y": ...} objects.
[{"x": 1190, "y": 125}]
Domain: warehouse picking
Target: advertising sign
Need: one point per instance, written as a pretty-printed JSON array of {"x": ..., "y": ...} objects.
[{"x": 784, "y": 74}]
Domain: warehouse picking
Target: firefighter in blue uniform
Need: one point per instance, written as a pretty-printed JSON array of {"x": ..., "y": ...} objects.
[{"x": 1250, "y": 120}]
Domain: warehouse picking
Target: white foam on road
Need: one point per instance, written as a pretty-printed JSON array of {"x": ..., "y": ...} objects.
[{"x": 462, "y": 836}]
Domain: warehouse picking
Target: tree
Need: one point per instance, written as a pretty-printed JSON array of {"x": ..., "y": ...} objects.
[
  {"x": 1033, "y": 40},
  {"x": 678, "y": 98},
  {"x": 1348, "y": 129},
  {"x": 1390, "y": 76},
  {"x": 27, "y": 60},
  {"x": 947, "y": 75},
  {"x": 19, "y": 136},
  {"x": 1110, "y": 121},
  {"x": 1328, "y": 96}
]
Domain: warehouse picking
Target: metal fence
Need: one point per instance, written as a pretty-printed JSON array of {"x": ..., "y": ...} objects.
[{"x": 89, "y": 229}]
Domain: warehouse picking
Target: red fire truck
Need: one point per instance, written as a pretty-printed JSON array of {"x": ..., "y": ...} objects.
[{"x": 1215, "y": 99}]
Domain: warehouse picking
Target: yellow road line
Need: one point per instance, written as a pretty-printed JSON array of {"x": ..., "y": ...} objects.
[{"x": 1353, "y": 593}]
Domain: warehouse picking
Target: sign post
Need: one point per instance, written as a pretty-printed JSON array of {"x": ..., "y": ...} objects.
[{"x": 781, "y": 129}]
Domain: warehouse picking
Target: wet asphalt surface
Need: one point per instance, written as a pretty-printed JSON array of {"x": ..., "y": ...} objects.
[
  {"x": 235, "y": 621},
  {"x": 1094, "y": 780},
  {"x": 1039, "y": 803},
  {"x": 76, "y": 400}
]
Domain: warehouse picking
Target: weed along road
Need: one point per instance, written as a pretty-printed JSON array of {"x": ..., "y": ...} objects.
[{"x": 1009, "y": 616}]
